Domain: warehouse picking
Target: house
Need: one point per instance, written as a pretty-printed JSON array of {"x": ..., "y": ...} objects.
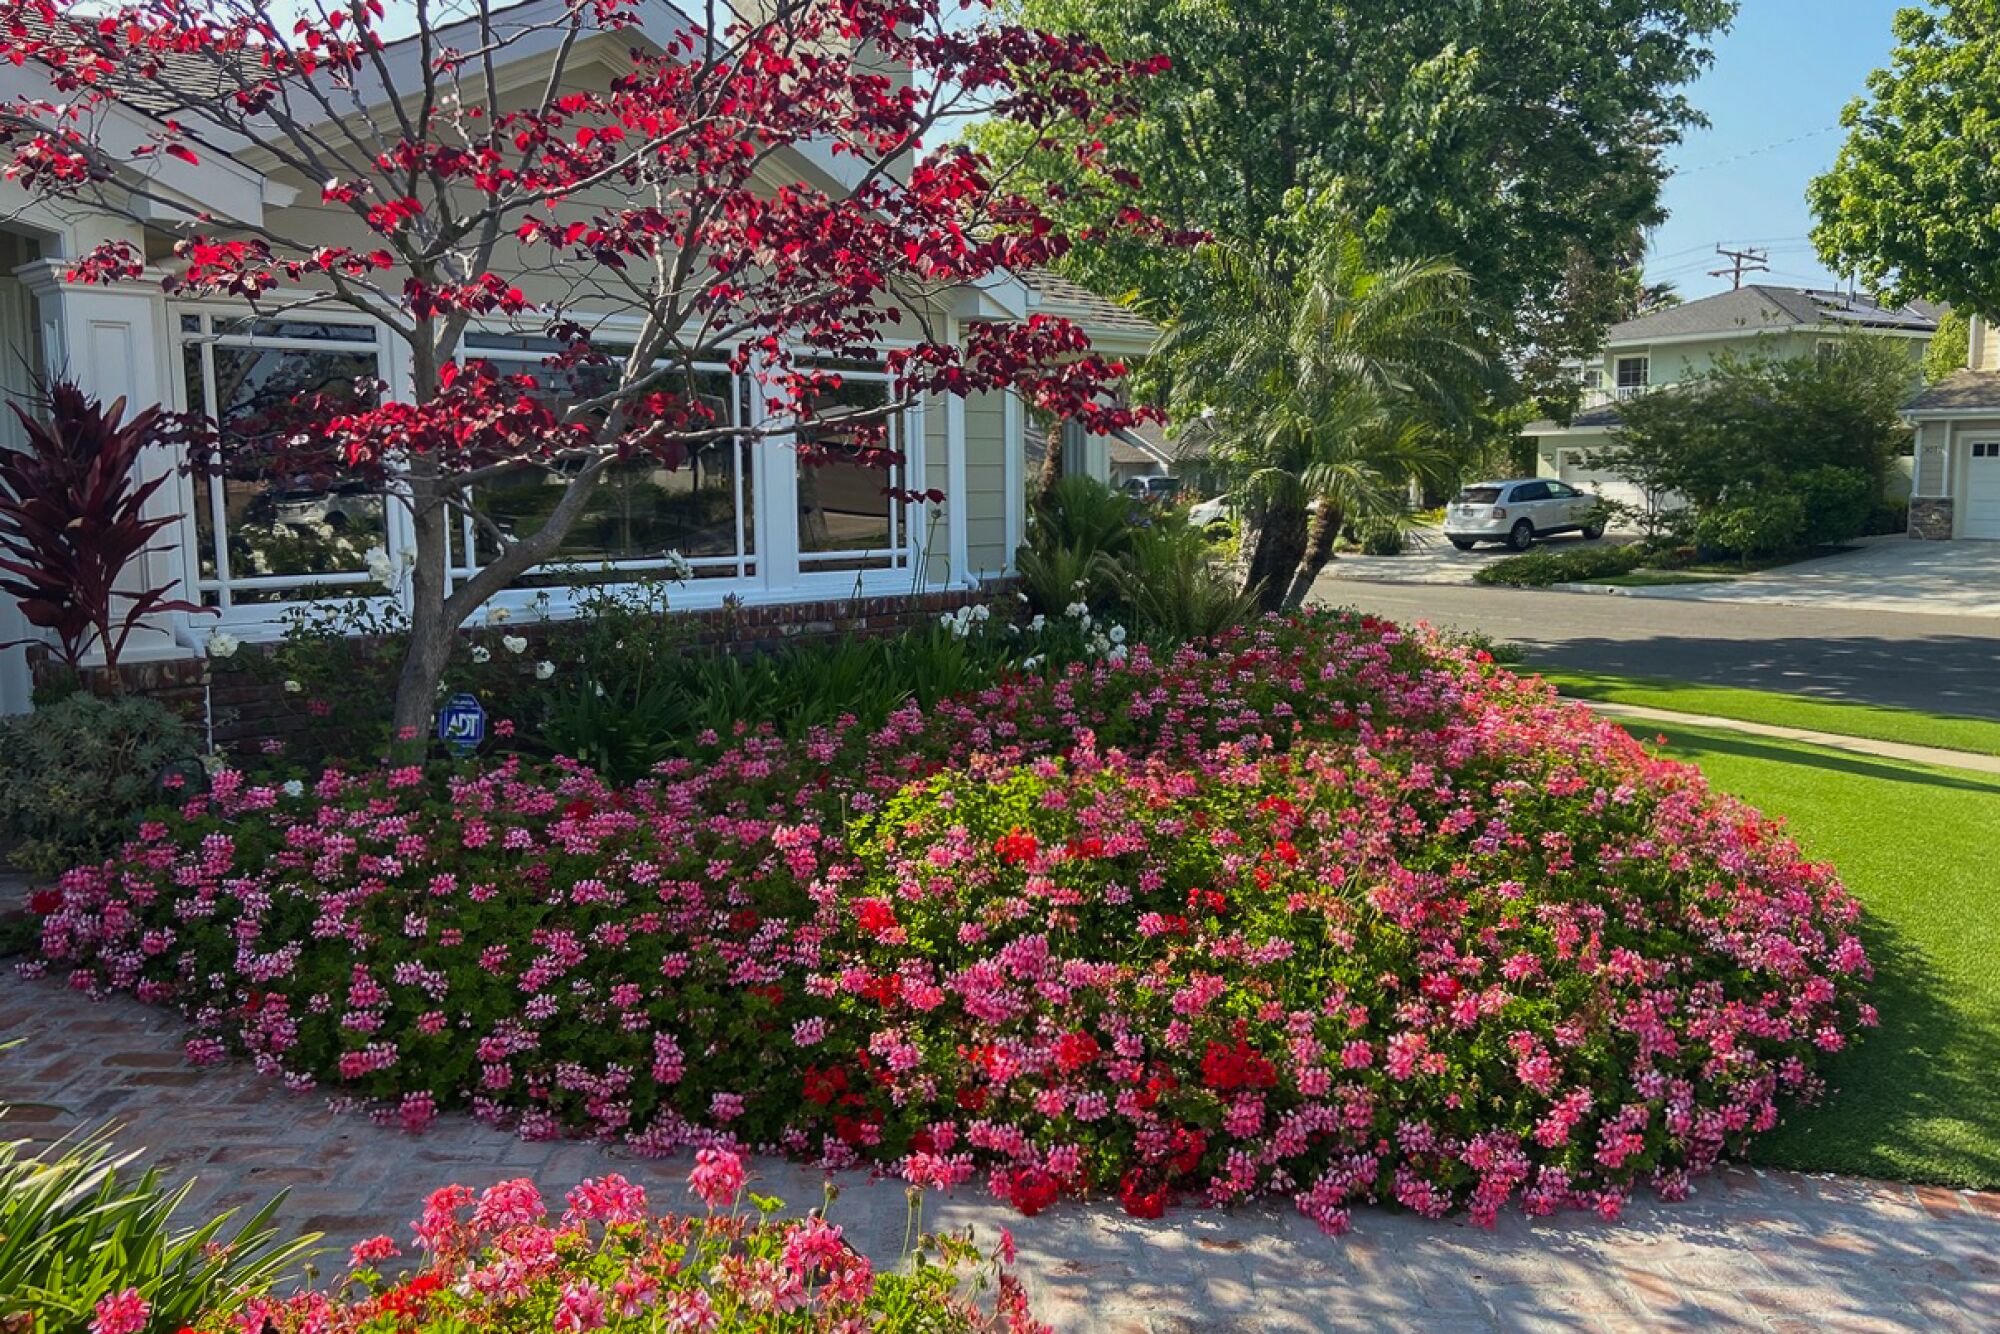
[
  {"x": 1669, "y": 347},
  {"x": 1956, "y": 487},
  {"x": 758, "y": 527}
]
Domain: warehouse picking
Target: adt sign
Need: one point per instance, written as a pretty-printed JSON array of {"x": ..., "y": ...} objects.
[{"x": 462, "y": 724}]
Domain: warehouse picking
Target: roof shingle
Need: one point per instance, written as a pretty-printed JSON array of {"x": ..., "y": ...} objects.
[
  {"x": 1966, "y": 391},
  {"x": 1763, "y": 309}
]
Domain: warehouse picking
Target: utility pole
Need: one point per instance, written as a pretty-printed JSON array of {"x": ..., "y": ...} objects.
[{"x": 1740, "y": 263}]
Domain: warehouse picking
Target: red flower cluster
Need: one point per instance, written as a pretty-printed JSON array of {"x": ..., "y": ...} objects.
[{"x": 1238, "y": 1066}]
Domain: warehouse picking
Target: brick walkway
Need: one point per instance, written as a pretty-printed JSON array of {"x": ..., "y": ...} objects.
[{"x": 1752, "y": 1250}]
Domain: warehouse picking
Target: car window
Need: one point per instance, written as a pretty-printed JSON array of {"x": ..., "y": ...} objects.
[
  {"x": 1531, "y": 491},
  {"x": 1479, "y": 495},
  {"x": 1559, "y": 491}
]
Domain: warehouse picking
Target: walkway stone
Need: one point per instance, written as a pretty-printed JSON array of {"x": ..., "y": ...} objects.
[
  {"x": 1891, "y": 750},
  {"x": 1753, "y": 1250}
]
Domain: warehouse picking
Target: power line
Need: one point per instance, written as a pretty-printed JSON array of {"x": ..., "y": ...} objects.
[{"x": 1759, "y": 151}]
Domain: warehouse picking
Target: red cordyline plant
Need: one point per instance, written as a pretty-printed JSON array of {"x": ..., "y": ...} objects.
[
  {"x": 757, "y": 185},
  {"x": 72, "y": 518}
]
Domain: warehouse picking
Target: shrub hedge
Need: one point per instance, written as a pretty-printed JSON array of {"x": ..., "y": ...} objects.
[{"x": 1537, "y": 569}]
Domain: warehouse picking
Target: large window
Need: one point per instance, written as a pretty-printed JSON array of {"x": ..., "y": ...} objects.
[
  {"x": 1634, "y": 375},
  {"x": 700, "y": 506},
  {"x": 265, "y": 535},
  {"x": 850, "y": 515}
]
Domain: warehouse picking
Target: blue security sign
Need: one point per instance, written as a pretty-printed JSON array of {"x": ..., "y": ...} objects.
[{"x": 462, "y": 724}]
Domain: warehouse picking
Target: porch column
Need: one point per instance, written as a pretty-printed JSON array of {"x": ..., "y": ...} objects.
[{"x": 113, "y": 342}]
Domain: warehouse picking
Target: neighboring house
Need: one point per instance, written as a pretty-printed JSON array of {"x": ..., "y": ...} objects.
[
  {"x": 1119, "y": 333},
  {"x": 1956, "y": 490},
  {"x": 1673, "y": 346},
  {"x": 758, "y": 528}
]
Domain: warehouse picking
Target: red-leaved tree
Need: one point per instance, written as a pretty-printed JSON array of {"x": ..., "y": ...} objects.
[{"x": 648, "y": 178}]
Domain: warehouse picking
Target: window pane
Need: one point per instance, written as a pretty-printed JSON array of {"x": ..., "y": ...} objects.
[
  {"x": 293, "y": 525},
  {"x": 312, "y": 331},
  {"x": 844, "y": 505},
  {"x": 644, "y": 508}
]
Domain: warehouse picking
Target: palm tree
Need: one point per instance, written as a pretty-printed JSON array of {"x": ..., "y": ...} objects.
[{"x": 1324, "y": 393}]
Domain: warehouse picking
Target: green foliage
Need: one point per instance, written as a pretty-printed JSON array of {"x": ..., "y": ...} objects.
[
  {"x": 1950, "y": 349},
  {"x": 1837, "y": 503},
  {"x": 1148, "y": 568},
  {"x": 75, "y": 774},
  {"x": 1759, "y": 523},
  {"x": 76, "y": 1228},
  {"x": 1910, "y": 202},
  {"x": 1756, "y": 423},
  {"x": 1176, "y": 587},
  {"x": 1383, "y": 537},
  {"x": 1537, "y": 569},
  {"x": 1519, "y": 138}
]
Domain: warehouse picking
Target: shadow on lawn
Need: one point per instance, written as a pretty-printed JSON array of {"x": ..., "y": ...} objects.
[
  {"x": 1693, "y": 745},
  {"x": 1914, "y": 1098}
]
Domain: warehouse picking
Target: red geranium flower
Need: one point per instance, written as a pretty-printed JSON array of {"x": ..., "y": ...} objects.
[{"x": 1032, "y": 1190}]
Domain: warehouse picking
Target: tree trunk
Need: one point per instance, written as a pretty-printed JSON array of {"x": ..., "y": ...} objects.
[
  {"x": 431, "y": 631},
  {"x": 1275, "y": 543},
  {"x": 1319, "y": 550},
  {"x": 1051, "y": 470}
]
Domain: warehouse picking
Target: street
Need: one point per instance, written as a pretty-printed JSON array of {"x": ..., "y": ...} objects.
[{"x": 1942, "y": 664}]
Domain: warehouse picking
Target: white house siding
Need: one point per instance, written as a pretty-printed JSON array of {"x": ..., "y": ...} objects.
[{"x": 986, "y": 446}]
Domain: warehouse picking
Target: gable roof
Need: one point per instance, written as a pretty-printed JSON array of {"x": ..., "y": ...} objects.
[
  {"x": 1964, "y": 391},
  {"x": 1057, "y": 295},
  {"x": 1759, "y": 308}
]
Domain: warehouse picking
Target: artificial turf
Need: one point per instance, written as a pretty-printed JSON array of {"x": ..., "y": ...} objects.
[
  {"x": 1981, "y": 736},
  {"x": 1918, "y": 1099}
]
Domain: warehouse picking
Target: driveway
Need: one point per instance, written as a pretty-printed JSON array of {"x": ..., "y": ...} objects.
[
  {"x": 1945, "y": 664},
  {"x": 1430, "y": 559},
  {"x": 1888, "y": 574}
]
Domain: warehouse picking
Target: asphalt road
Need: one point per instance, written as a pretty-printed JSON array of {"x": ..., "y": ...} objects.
[{"x": 1944, "y": 664}]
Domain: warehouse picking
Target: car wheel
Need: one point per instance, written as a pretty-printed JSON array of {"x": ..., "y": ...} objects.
[
  {"x": 1462, "y": 543},
  {"x": 1593, "y": 532},
  {"x": 1522, "y": 537}
]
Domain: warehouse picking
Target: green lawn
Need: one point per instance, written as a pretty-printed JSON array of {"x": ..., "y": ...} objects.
[
  {"x": 1916, "y": 1099},
  {"x": 1659, "y": 579},
  {"x": 1978, "y": 735}
]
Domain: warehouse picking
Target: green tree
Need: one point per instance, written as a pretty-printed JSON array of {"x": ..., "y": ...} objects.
[
  {"x": 1758, "y": 424},
  {"x": 1909, "y": 204},
  {"x": 1520, "y": 139},
  {"x": 1323, "y": 393},
  {"x": 1950, "y": 347}
]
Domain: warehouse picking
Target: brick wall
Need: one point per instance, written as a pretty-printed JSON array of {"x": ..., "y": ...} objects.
[{"x": 240, "y": 710}]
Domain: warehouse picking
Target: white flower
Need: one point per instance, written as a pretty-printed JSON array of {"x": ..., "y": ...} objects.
[
  {"x": 1117, "y": 634},
  {"x": 497, "y": 615},
  {"x": 222, "y": 645},
  {"x": 481, "y": 653},
  {"x": 1038, "y": 624},
  {"x": 598, "y": 686},
  {"x": 980, "y": 612},
  {"x": 515, "y": 644},
  {"x": 1116, "y": 655},
  {"x": 1032, "y": 663},
  {"x": 293, "y": 687},
  {"x": 676, "y": 567},
  {"x": 294, "y": 788},
  {"x": 1078, "y": 611},
  {"x": 380, "y": 567},
  {"x": 544, "y": 670}
]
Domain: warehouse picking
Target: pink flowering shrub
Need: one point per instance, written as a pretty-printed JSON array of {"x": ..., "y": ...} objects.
[
  {"x": 505, "y": 1259},
  {"x": 1317, "y": 910}
]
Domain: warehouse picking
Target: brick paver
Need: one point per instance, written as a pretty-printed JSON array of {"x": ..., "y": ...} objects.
[{"x": 1752, "y": 1250}]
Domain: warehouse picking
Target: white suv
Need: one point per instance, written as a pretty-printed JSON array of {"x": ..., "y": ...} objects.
[{"x": 1520, "y": 511}]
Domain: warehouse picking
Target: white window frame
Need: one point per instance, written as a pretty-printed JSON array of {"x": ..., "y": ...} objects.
[
  {"x": 774, "y": 572},
  {"x": 261, "y": 619},
  {"x": 1639, "y": 386}
]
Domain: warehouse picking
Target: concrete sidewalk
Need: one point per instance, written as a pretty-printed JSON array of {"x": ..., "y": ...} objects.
[
  {"x": 1889, "y": 750},
  {"x": 1883, "y": 574}
]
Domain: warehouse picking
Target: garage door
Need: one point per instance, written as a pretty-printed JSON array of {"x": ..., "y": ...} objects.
[
  {"x": 1982, "y": 489},
  {"x": 1608, "y": 483}
]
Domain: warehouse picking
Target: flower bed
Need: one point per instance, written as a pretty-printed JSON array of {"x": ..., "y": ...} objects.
[
  {"x": 1317, "y": 910},
  {"x": 503, "y": 1259}
]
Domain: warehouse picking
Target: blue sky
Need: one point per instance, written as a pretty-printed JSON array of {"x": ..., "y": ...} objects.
[{"x": 1782, "y": 75}]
